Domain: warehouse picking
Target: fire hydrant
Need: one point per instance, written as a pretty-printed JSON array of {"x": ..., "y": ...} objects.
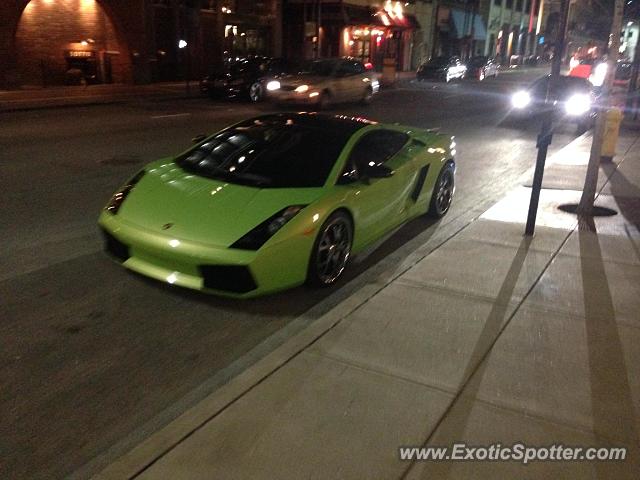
[{"x": 613, "y": 119}]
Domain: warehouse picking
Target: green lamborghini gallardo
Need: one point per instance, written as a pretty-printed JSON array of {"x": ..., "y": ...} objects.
[{"x": 275, "y": 201}]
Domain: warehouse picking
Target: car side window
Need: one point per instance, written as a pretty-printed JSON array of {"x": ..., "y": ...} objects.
[
  {"x": 348, "y": 68},
  {"x": 374, "y": 148}
]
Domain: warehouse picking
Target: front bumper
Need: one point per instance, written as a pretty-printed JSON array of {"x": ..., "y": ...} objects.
[
  {"x": 294, "y": 98},
  {"x": 212, "y": 269}
]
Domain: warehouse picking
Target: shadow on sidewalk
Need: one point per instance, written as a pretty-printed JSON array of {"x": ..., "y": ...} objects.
[
  {"x": 626, "y": 195},
  {"x": 453, "y": 423},
  {"x": 611, "y": 396}
]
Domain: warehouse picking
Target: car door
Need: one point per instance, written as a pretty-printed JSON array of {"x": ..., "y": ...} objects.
[
  {"x": 378, "y": 203},
  {"x": 348, "y": 80}
]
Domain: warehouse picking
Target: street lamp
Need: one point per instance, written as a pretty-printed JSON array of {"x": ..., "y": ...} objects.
[{"x": 182, "y": 45}]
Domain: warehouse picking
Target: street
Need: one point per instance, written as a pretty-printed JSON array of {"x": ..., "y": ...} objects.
[{"x": 95, "y": 358}]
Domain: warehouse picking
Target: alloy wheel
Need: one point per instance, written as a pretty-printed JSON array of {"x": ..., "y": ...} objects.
[
  {"x": 444, "y": 192},
  {"x": 334, "y": 248},
  {"x": 255, "y": 92}
]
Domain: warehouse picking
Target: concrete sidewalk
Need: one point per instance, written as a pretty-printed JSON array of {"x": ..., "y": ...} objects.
[
  {"x": 491, "y": 338},
  {"x": 63, "y": 96}
]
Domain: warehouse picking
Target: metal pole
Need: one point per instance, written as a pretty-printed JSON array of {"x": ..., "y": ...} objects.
[{"x": 546, "y": 133}]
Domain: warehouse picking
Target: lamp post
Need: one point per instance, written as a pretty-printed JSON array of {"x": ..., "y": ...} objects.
[{"x": 182, "y": 46}]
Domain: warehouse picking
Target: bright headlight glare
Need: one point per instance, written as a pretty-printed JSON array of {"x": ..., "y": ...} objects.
[
  {"x": 302, "y": 88},
  {"x": 520, "y": 99},
  {"x": 273, "y": 85},
  {"x": 578, "y": 104}
]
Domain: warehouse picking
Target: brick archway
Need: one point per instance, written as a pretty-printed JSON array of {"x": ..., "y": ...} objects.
[{"x": 62, "y": 41}]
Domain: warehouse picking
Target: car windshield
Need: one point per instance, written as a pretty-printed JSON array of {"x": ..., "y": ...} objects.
[
  {"x": 269, "y": 152},
  {"x": 323, "y": 68},
  {"x": 439, "y": 61},
  {"x": 566, "y": 86},
  {"x": 477, "y": 61}
]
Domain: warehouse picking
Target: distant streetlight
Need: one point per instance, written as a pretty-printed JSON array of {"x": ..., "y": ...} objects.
[{"x": 182, "y": 44}]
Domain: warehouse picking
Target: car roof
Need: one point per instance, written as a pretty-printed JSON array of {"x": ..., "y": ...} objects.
[{"x": 319, "y": 120}]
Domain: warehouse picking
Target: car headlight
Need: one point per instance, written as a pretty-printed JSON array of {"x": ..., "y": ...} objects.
[
  {"x": 302, "y": 88},
  {"x": 521, "y": 99},
  {"x": 119, "y": 197},
  {"x": 578, "y": 104},
  {"x": 267, "y": 229},
  {"x": 273, "y": 85}
]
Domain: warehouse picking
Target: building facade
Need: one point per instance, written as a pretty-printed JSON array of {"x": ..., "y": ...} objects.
[
  {"x": 368, "y": 30},
  {"x": 49, "y": 42}
]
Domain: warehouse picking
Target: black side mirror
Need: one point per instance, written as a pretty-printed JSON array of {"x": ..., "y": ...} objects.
[
  {"x": 378, "y": 171},
  {"x": 199, "y": 138}
]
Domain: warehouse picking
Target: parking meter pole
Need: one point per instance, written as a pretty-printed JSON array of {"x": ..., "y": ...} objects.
[{"x": 546, "y": 132}]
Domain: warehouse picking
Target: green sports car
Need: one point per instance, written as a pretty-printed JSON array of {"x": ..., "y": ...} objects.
[{"x": 274, "y": 201}]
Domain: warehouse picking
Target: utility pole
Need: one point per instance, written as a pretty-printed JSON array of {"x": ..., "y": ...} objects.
[
  {"x": 585, "y": 207},
  {"x": 546, "y": 132}
]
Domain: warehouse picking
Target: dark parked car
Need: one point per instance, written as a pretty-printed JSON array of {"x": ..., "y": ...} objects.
[
  {"x": 442, "y": 68},
  {"x": 482, "y": 67},
  {"x": 247, "y": 77},
  {"x": 573, "y": 100}
]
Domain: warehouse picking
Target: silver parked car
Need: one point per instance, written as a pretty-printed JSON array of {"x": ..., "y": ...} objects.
[{"x": 326, "y": 81}]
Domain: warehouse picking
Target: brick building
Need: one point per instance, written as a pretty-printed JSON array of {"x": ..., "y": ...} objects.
[{"x": 46, "y": 42}]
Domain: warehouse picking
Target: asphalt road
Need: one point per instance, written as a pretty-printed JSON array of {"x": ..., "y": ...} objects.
[{"x": 93, "y": 358}]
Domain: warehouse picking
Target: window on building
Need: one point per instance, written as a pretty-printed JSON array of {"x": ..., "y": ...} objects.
[
  {"x": 497, "y": 3},
  {"x": 510, "y": 4},
  {"x": 528, "y": 6},
  {"x": 518, "y": 5}
]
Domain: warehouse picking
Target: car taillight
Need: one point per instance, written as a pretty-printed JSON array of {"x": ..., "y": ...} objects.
[{"x": 368, "y": 66}]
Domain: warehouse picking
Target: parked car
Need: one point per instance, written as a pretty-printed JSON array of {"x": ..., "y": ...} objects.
[
  {"x": 482, "y": 67},
  {"x": 247, "y": 77},
  {"x": 442, "y": 68},
  {"x": 573, "y": 100},
  {"x": 327, "y": 81},
  {"x": 277, "y": 200}
]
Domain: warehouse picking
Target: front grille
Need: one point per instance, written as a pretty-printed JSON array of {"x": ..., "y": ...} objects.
[
  {"x": 115, "y": 247},
  {"x": 229, "y": 278},
  {"x": 287, "y": 88}
]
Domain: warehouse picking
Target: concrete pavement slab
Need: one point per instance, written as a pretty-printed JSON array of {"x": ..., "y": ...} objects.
[
  {"x": 431, "y": 337},
  {"x": 512, "y": 234},
  {"x": 477, "y": 423},
  {"x": 575, "y": 285},
  {"x": 497, "y": 272},
  {"x": 315, "y": 418},
  {"x": 614, "y": 248},
  {"x": 580, "y": 372},
  {"x": 514, "y": 206}
]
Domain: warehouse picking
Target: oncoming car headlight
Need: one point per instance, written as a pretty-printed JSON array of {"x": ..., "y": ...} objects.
[
  {"x": 302, "y": 88},
  {"x": 521, "y": 99},
  {"x": 267, "y": 229},
  {"x": 273, "y": 85},
  {"x": 578, "y": 104}
]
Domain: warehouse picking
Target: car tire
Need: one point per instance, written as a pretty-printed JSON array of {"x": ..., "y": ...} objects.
[
  {"x": 331, "y": 250},
  {"x": 443, "y": 191},
  {"x": 256, "y": 92},
  {"x": 367, "y": 96}
]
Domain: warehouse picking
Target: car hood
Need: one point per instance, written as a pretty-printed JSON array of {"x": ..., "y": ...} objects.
[{"x": 172, "y": 202}]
